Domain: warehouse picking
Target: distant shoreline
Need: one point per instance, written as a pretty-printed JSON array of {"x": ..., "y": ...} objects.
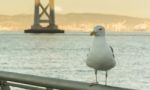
[{"x": 80, "y": 22}]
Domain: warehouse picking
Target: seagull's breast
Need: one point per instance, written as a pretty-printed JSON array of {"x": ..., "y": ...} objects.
[{"x": 100, "y": 57}]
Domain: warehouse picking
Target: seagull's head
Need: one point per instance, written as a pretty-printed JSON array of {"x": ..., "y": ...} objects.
[{"x": 98, "y": 31}]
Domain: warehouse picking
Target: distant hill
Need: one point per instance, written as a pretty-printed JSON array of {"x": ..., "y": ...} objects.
[
  {"x": 79, "y": 22},
  {"x": 98, "y": 18}
]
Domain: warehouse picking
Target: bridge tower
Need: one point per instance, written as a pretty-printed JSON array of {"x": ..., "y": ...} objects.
[{"x": 39, "y": 12}]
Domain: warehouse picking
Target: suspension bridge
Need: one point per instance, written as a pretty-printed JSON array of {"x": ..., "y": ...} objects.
[{"x": 47, "y": 10}]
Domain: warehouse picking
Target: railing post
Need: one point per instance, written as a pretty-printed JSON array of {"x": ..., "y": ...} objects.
[{"x": 4, "y": 86}]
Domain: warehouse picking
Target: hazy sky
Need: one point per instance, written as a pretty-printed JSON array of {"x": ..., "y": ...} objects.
[{"x": 137, "y": 8}]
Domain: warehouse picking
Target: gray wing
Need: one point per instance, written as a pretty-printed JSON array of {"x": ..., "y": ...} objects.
[{"x": 112, "y": 51}]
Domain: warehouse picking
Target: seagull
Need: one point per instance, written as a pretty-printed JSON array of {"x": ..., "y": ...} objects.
[{"x": 101, "y": 56}]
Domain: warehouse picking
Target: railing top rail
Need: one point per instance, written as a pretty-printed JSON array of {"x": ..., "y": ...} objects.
[{"x": 53, "y": 82}]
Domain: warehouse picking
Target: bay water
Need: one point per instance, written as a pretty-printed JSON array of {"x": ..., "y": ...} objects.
[{"x": 63, "y": 56}]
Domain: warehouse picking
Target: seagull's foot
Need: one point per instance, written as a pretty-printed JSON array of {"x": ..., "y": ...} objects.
[{"x": 93, "y": 84}]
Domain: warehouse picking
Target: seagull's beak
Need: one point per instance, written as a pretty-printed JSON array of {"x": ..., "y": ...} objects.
[{"x": 93, "y": 33}]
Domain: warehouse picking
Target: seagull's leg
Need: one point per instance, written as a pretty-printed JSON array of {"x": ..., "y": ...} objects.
[
  {"x": 96, "y": 76},
  {"x": 95, "y": 83},
  {"x": 106, "y": 76}
]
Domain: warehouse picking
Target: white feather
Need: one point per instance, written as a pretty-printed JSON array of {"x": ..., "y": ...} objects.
[{"x": 101, "y": 55}]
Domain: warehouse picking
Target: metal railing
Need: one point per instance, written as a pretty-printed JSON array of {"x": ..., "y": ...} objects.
[{"x": 32, "y": 82}]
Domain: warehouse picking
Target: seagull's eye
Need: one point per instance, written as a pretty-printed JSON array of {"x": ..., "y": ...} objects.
[{"x": 100, "y": 29}]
